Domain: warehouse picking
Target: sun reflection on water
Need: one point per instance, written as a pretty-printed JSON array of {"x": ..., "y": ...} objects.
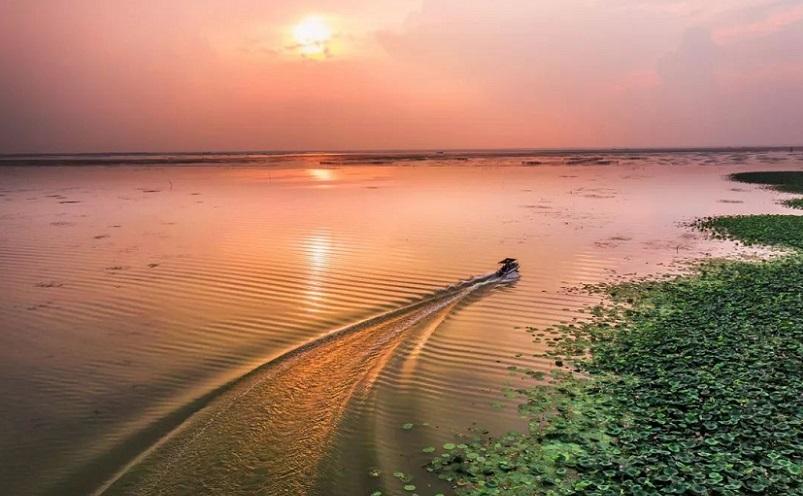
[
  {"x": 322, "y": 174},
  {"x": 317, "y": 249}
]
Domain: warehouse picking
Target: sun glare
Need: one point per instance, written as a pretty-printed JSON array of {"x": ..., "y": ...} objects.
[{"x": 312, "y": 36}]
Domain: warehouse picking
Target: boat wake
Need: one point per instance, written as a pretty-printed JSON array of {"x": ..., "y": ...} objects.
[{"x": 267, "y": 433}]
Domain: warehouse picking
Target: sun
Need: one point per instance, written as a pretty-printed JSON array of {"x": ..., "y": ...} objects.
[{"x": 312, "y": 36}]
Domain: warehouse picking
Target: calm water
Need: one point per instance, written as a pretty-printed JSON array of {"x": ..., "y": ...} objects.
[{"x": 161, "y": 317}]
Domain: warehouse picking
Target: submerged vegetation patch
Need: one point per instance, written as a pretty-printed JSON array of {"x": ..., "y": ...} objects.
[{"x": 692, "y": 386}]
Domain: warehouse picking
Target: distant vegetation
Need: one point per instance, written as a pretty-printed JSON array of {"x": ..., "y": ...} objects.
[
  {"x": 692, "y": 386},
  {"x": 785, "y": 181},
  {"x": 781, "y": 230}
]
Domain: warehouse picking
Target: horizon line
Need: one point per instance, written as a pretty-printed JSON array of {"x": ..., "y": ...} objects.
[{"x": 412, "y": 151}]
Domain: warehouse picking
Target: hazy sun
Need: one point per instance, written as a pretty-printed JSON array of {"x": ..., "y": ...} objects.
[{"x": 312, "y": 36}]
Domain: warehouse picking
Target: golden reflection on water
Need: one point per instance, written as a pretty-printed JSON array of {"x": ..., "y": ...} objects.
[
  {"x": 318, "y": 248},
  {"x": 322, "y": 174},
  {"x": 268, "y": 434}
]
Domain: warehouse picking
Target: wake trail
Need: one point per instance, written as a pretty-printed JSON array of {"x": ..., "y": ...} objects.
[{"x": 267, "y": 433}]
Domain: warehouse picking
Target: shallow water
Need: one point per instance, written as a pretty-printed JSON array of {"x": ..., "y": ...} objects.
[{"x": 137, "y": 298}]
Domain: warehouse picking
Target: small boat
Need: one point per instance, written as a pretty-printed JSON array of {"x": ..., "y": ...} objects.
[{"x": 510, "y": 266}]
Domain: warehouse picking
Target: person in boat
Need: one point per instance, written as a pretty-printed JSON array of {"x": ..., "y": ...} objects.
[{"x": 509, "y": 265}]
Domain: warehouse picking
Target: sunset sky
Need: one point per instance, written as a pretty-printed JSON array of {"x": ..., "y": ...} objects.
[{"x": 79, "y": 75}]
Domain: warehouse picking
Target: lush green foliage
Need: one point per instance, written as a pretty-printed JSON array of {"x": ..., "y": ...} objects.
[
  {"x": 786, "y": 181},
  {"x": 794, "y": 203},
  {"x": 693, "y": 387},
  {"x": 786, "y": 230}
]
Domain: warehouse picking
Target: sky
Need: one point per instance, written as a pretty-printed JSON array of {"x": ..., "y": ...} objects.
[{"x": 89, "y": 76}]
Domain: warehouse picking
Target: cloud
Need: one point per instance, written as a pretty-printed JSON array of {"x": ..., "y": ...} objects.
[
  {"x": 774, "y": 20},
  {"x": 620, "y": 73},
  {"x": 442, "y": 73}
]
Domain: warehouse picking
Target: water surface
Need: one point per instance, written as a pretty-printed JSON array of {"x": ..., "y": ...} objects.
[{"x": 140, "y": 299}]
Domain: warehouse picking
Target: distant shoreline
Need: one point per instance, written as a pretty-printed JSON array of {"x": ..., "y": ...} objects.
[{"x": 345, "y": 157}]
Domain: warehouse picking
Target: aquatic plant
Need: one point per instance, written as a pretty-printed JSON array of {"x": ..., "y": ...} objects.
[
  {"x": 794, "y": 203},
  {"x": 693, "y": 386},
  {"x": 696, "y": 392},
  {"x": 783, "y": 230},
  {"x": 785, "y": 181}
]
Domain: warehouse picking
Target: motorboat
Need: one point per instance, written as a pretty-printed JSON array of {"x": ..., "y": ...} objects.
[{"x": 510, "y": 267}]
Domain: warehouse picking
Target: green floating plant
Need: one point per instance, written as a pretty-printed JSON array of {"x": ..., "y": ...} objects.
[
  {"x": 785, "y": 181},
  {"x": 690, "y": 386}
]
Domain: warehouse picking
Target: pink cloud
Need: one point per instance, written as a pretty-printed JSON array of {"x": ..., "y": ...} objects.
[{"x": 773, "y": 22}]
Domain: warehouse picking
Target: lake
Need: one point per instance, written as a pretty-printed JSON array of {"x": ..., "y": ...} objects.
[{"x": 295, "y": 324}]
